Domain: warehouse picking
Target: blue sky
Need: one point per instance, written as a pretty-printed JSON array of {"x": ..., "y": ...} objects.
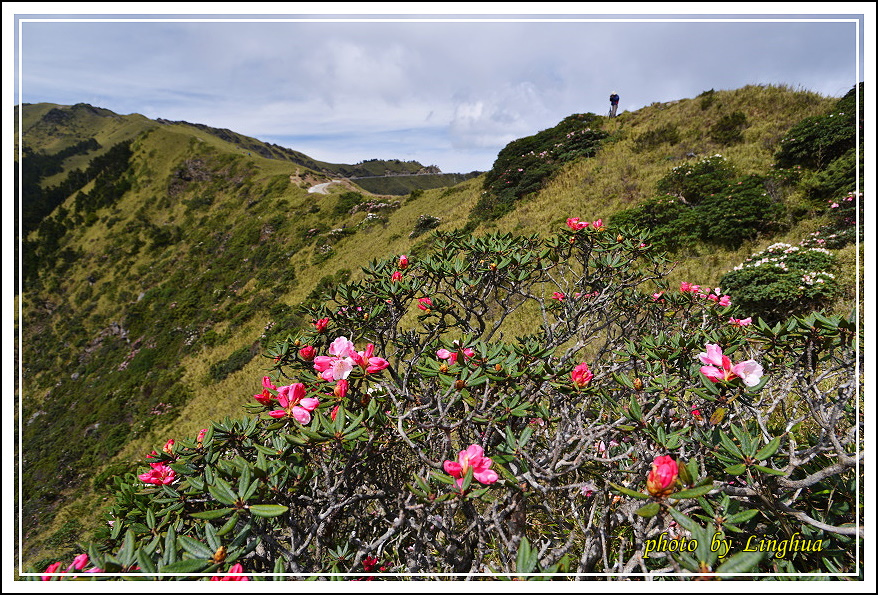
[{"x": 445, "y": 93}]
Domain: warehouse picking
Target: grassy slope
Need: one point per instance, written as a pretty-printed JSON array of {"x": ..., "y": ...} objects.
[{"x": 616, "y": 178}]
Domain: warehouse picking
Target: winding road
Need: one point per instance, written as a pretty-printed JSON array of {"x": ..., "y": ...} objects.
[{"x": 322, "y": 188}]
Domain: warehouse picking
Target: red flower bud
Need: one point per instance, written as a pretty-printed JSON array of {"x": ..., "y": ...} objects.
[{"x": 660, "y": 481}]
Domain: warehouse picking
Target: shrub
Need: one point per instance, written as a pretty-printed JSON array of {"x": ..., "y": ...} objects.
[
  {"x": 419, "y": 432},
  {"x": 696, "y": 181},
  {"x": 817, "y": 141},
  {"x": 346, "y": 202},
  {"x": 658, "y": 136},
  {"x": 782, "y": 280},
  {"x": 740, "y": 211},
  {"x": 424, "y": 224}
]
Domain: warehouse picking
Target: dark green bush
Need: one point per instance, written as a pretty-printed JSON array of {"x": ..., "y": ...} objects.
[
  {"x": 818, "y": 140},
  {"x": 782, "y": 281},
  {"x": 729, "y": 130},
  {"x": 346, "y": 202},
  {"x": 740, "y": 211},
  {"x": 655, "y": 137},
  {"x": 707, "y": 99},
  {"x": 694, "y": 182}
]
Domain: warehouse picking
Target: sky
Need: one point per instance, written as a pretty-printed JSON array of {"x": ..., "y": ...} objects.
[{"x": 449, "y": 92}]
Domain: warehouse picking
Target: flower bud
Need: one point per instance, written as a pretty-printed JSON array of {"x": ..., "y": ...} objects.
[
  {"x": 459, "y": 384},
  {"x": 661, "y": 479},
  {"x": 307, "y": 353}
]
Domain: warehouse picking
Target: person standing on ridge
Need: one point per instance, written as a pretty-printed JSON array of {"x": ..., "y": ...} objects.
[{"x": 614, "y": 104}]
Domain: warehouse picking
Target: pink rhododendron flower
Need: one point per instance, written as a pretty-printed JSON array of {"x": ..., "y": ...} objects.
[
  {"x": 581, "y": 375},
  {"x": 236, "y": 569},
  {"x": 265, "y": 397},
  {"x": 307, "y": 353},
  {"x": 340, "y": 364},
  {"x": 473, "y": 457},
  {"x": 451, "y": 356},
  {"x": 658, "y": 296},
  {"x": 403, "y": 262},
  {"x": 575, "y": 224},
  {"x": 320, "y": 325},
  {"x": 159, "y": 474},
  {"x": 168, "y": 448},
  {"x": 341, "y": 389},
  {"x": 295, "y": 405},
  {"x": 588, "y": 489},
  {"x": 741, "y": 321},
  {"x": 49, "y": 569},
  {"x": 660, "y": 481},
  {"x": 425, "y": 303},
  {"x": 719, "y": 368},
  {"x": 396, "y": 276},
  {"x": 598, "y": 224},
  {"x": 557, "y": 295},
  {"x": 367, "y": 361},
  {"x": 201, "y": 435}
]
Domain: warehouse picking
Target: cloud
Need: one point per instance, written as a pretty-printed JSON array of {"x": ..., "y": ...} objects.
[{"x": 465, "y": 89}]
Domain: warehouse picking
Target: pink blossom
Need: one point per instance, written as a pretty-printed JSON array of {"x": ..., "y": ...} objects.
[
  {"x": 159, "y": 474},
  {"x": 451, "y": 356},
  {"x": 396, "y": 276},
  {"x": 741, "y": 321},
  {"x": 658, "y": 296},
  {"x": 50, "y": 569},
  {"x": 588, "y": 489},
  {"x": 79, "y": 562},
  {"x": 425, "y": 303},
  {"x": 581, "y": 375},
  {"x": 307, "y": 353},
  {"x": 201, "y": 435},
  {"x": 236, "y": 569},
  {"x": 598, "y": 224},
  {"x": 725, "y": 301},
  {"x": 265, "y": 397},
  {"x": 341, "y": 389},
  {"x": 719, "y": 368},
  {"x": 403, "y": 262},
  {"x": 367, "y": 361},
  {"x": 320, "y": 325},
  {"x": 557, "y": 295},
  {"x": 473, "y": 457},
  {"x": 575, "y": 224},
  {"x": 340, "y": 364},
  {"x": 168, "y": 448},
  {"x": 295, "y": 405}
]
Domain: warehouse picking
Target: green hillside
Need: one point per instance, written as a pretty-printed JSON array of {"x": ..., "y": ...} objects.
[{"x": 157, "y": 277}]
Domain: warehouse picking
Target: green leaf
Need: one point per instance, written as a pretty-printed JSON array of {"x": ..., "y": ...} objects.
[
  {"x": 268, "y": 510},
  {"x": 212, "y": 514},
  {"x": 769, "y": 470},
  {"x": 730, "y": 446},
  {"x": 693, "y": 492},
  {"x": 186, "y": 566},
  {"x": 769, "y": 449},
  {"x": 649, "y": 510},
  {"x": 736, "y": 469},
  {"x": 741, "y": 562},
  {"x": 742, "y": 517},
  {"x": 194, "y": 547},
  {"x": 145, "y": 562},
  {"x": 628, "y": 492},
  {"x": 526, "y": 559}
]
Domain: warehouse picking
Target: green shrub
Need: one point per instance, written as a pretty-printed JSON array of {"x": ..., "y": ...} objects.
[
  {"x": 729, "y": 130},
  {"x": 782, "y": 281},
  {"x": 817, "y": 141},
  {"x": 707, "y": 99},
  {"x": 740, "y": 211},
  {"x": 346, "y": 202},
  {"x": 693, "y": 182},
  {"x": 655, "y": 137}
]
